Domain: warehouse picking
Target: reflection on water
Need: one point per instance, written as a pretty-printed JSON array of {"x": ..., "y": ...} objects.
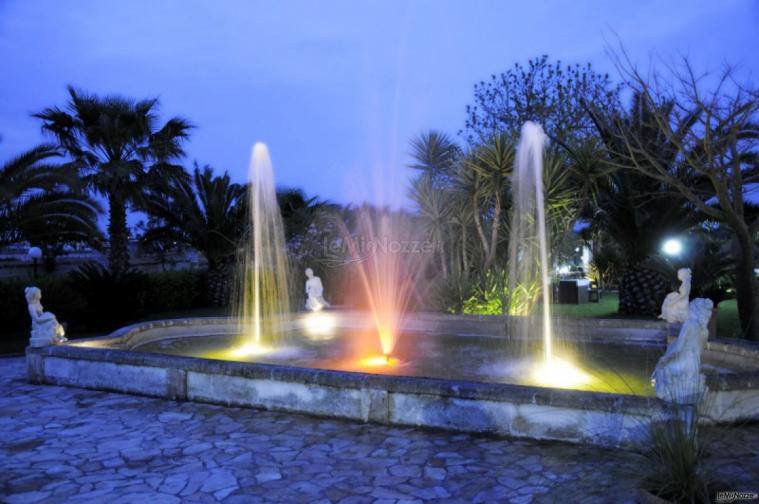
[{"x": 603, "y": 367}]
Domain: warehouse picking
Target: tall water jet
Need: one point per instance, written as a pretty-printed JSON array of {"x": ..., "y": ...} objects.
[
  {"x": 529, "y": 280},
  {"x": 264, "y": 294}
]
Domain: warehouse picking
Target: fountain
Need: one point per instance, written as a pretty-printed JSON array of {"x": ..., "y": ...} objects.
[
  {"x": 382, "y": 362},
  {"x": 385, "y": 273},
  {"x": 263, "y": 298},
  {"x": 529, "y": 264},
  {"x": 529, "y": 280}
]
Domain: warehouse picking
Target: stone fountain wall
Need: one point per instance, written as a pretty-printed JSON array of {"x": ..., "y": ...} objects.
[{"x": 614, "y": 420}]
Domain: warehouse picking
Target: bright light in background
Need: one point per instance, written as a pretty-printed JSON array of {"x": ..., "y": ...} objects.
[
  {"x": 672, "y": 247},
  {"x": 563, "y": 270}
]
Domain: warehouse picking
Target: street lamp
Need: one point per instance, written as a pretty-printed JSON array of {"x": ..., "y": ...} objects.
[
  {"x": 35, "y": 253},
  {"x": 672, "y": 247}
]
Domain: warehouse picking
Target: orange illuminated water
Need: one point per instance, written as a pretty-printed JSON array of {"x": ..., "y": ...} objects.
[{"x": 386, "y": 267}]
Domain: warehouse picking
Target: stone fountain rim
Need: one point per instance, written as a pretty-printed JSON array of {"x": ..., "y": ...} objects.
[
  {"x": 435, "y": 386},
  {"x": 605, "y": 419},
  {"x": 438, "y": 387}
]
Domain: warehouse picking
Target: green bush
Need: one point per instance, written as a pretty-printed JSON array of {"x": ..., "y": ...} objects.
[
  {"x": 448, "y": 294},
  {"x": 673, "y": 466},
  {"x": 489, "y": 294},
  {"x": 485, "y": 294},
  {"x": 487, "y": 297},
  {"x": 111, "y": 298},
  {"x": 175, "y": 290}
]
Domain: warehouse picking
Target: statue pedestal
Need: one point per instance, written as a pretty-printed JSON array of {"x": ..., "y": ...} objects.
[
  {"x": 46, "y": 336},
  {"x": 38, "y": 342},
  {"x": 45, "y": 328}
]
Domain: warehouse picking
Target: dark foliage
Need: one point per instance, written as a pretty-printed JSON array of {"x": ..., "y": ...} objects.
[
  {"x": 121, "y": 150},
  {"x": 546, "y": 92}
]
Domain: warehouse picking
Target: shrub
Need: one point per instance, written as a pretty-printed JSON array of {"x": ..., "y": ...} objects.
[
  {"x": 675, "y": 461},
  {"x": 485, "y": 299},
  {"x": 479, "y": 295},
  {"x": 110, "y": 298},
  {"x": 175, "y": 290},
  {"x": 93, "y": 299},
  {"x": 673, "y": 466},
  {"x": 489, "y": 294},
  {"x": 448, "y": 294}
]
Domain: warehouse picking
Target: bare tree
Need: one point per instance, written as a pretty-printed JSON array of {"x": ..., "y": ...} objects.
[{"x": 712, "y": 124}]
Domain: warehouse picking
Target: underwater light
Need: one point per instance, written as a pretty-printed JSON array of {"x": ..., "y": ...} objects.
[
  {"x": 88, "y": 344},
  {"x": 559, "y": 373},
  {"x": 379, "y": 361},
  {"x": 249, "y": 349},
  {"x": 319, "y": 325}
]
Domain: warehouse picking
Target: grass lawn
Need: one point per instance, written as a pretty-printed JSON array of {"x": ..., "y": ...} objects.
[
  {"x": 605, "y": 308},
  {"x": 728, "y": 325}
]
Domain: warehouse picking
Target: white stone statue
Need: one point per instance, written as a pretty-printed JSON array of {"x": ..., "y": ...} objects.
[
  {"x": 45, "y": 327},
  {"x": 675, "y": 306},
  {"x": 677, "y": 376},
  {"x": 314, "y": 292}
]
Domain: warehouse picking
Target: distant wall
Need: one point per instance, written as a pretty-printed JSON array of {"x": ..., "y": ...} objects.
[{"x": 22, "y": 267}]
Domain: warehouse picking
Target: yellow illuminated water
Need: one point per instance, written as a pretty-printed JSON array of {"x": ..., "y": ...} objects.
[
  {"x": 529, "y": 262},
  {"x": 263, "y": 295},
  {"x": 603, "y": 368}
]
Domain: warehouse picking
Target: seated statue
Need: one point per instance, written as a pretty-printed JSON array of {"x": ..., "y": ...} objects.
[
  {"x": 677, "y": 376},
  {"x": 45, "y": 327},
  {"x": 675, "y": 306},
  {"x": 314, "y": 292}
]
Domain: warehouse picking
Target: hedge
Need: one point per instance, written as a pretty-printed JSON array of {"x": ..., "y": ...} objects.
[{"x": 102, "y": 302}]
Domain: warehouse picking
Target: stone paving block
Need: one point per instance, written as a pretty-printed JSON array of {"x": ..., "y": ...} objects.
[{"x": 62, "y": 444}]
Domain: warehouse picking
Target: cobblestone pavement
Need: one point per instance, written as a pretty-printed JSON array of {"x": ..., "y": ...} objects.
[{"x": 66, "y": 444}]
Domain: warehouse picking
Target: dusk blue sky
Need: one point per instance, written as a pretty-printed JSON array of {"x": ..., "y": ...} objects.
[{"x": 336, "y": 88}]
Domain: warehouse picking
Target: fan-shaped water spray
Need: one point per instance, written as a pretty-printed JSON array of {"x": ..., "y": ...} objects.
[{"x": 388, "y": 261}]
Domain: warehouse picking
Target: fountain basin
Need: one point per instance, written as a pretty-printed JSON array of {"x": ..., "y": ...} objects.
[{"x": 129, "y": 360}]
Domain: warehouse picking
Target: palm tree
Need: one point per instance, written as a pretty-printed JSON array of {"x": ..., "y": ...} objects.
[
  {"x": 299, "y": 212},
  {"x": 435, "y": 211},
  {"x": 563, "y": 189},
  {"x": 207, "y": 213},
  {"x": 40, "y": 202},
  {"x": 461, "y": 218},
  {"x": 122, "y": 151},
  {"x": 438, "y": 157},
  {"x": 491, "y": 164},
  {"x": 638, "y": 212},
  {"x": 436, "y": 154}
]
